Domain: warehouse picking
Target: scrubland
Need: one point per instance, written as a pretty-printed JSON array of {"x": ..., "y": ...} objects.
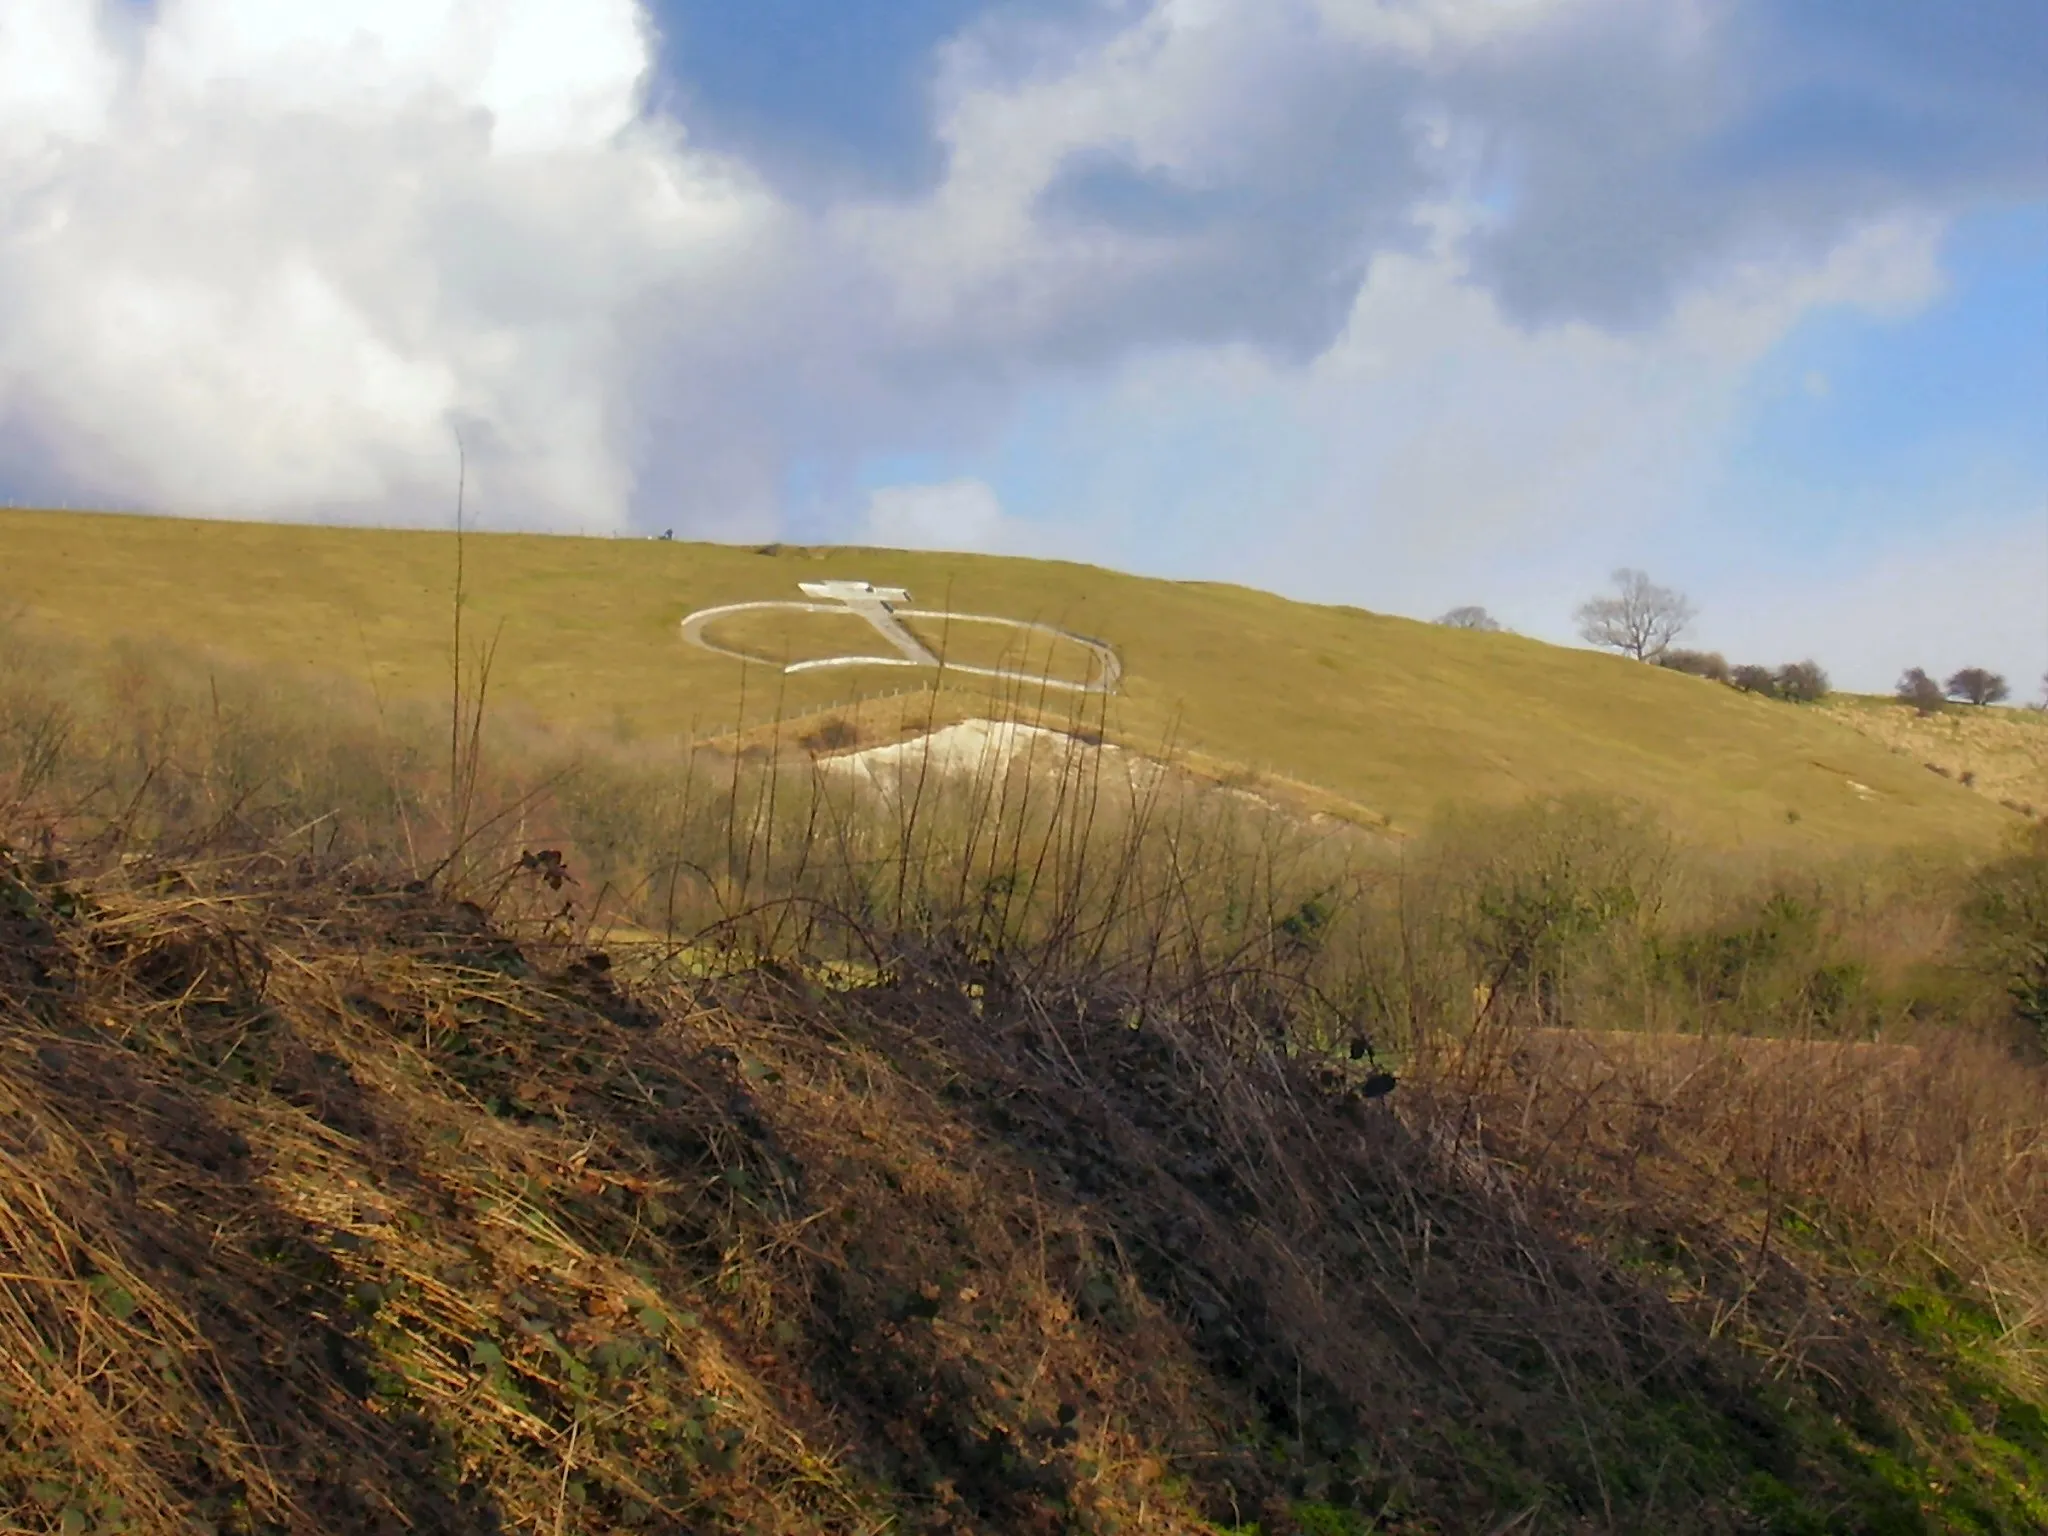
[{"x": 411, "y": 1119}]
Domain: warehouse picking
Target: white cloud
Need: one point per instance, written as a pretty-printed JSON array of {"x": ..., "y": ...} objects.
[
  {"x": 265, "y": 258},
  {"x": 56, "y": 75},
  {"x": 952, "y": 515},
  {"x": 549, "y": 77},
  {"x": 1888, "y": 267},
  {"x": 1427, "y": 28}
]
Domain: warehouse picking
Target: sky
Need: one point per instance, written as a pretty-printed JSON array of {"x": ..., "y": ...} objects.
[{"x": 1407, "y": 304}]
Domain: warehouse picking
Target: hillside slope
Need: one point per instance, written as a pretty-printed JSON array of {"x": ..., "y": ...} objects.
[
  {"x": 2001, "y": 753},
  {"x": 1397, "y": 717}
]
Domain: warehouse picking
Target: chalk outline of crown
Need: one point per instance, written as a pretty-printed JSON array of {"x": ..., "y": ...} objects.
[{"x": 885, "y": 608}]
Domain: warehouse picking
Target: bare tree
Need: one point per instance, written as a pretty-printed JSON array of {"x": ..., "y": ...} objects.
[
  {"x": 1976, "y": 686},
  {"x": 1641, "y": 619},
  {"x": 1470, "y": 616},
  {"x": 1916, "y": 688}
]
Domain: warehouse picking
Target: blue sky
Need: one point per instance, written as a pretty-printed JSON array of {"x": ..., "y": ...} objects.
[
  {"x": 821, "y": 96},
  {"x": 1405, "y": 303},
  {"x": 1862, "y": 421}
]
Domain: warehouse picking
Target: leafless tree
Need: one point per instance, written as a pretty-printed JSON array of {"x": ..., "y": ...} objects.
[
  {"x": 1640, "y": 619},
  {"x": 1976, "y": 686},
  {"x": 1470, "y": 617}
]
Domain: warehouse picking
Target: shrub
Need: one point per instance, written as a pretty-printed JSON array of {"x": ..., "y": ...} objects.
[
  {"x": 1711, "y": 665},
  {"x": 1768, "y": 961},
  {"x": 1801, "y": 682},
  {"x": 1751, "y": 678},
  {"x": 1916, "y": 688},
  {"x": 1548, "y": 888},
  {"x": 1974, "y": 685},
  {"x": 2006, "y": 918},
  {"x": 1471, "y": 616},
  {"x": 1718, "y": 964},
  {"x": 834, "y": 734}
]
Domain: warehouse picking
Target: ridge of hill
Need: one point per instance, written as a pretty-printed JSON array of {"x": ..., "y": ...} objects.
[{"x": 1395, "y": 717}]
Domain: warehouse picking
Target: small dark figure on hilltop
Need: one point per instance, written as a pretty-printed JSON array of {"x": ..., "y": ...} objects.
[
  {"x": 1974, "y": 685},
  {"x": 1641, "y": 619},
  {"x": 1916, "y": 688}
]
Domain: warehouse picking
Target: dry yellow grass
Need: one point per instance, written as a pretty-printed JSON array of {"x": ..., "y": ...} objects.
[{"x": 2000, "y": 753}]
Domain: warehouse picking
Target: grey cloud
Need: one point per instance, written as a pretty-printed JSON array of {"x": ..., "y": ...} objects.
[
  {"x": 829, "y": 101},
  {"x": 1236, "y": 192},
  {"x": 1269, "y": 253},
  {"x": 1632, "y": 152},
  {"x": 689, "y": 368},
  {"x": 1631, "y": 163},
  {"x": 1637, "y": 150},
  {"x": 1095, "y": 187},
  {"x": 1636, "y": 168}
]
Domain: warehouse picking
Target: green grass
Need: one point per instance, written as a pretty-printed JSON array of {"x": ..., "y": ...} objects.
[{"x": 1397, "y": 717}]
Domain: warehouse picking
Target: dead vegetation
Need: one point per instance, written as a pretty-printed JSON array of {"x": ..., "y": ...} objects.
[
  {"x": 329, "y": 1205},
  {"x": 1023, "y": 1168}
]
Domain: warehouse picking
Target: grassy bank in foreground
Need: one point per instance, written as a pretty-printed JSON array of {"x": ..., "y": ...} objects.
[
  {"x": 1012, "y": 1155},
  {"x": 331, "y": 1206},
  {"x": 1398, "y": 717}
]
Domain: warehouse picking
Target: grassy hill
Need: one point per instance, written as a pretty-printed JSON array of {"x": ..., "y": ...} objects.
[
  {"x": 1396, "y": 717},
  {"x": 567, "y": 1137}
]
